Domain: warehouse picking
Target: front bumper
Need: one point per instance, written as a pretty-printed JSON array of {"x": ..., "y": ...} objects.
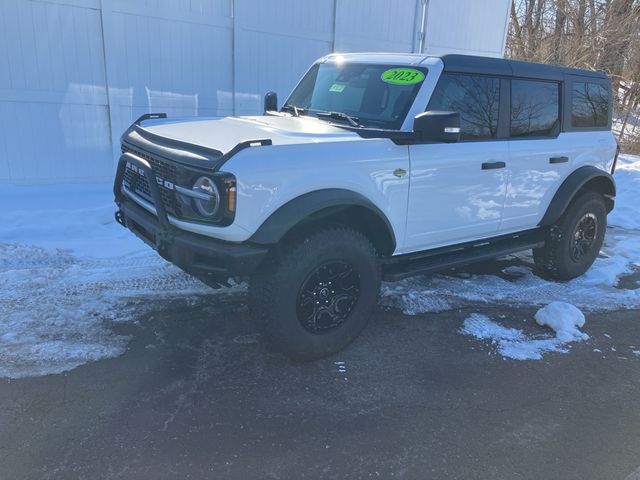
[
  {"x": 195, "y": 254},
  {"x": 206, "y": 257}
]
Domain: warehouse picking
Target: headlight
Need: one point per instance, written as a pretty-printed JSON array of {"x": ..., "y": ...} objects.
[
  {"x": 206, "y": 198},
  {"x": 211, "y": 198}
]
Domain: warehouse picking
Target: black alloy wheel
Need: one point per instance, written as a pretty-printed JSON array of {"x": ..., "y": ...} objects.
[
  {"x": 328, "y": 296},
  {"x": 584, "y": 236}
]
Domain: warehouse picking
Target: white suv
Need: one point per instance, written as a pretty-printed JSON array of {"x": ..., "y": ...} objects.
[{"x": 378, "y": 166}]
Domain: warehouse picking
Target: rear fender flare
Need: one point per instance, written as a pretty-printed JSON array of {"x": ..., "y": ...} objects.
[{"x": 575, "y": 182}]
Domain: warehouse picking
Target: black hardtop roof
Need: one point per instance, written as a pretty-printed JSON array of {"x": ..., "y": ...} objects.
[{"x": 515, "y": 68}]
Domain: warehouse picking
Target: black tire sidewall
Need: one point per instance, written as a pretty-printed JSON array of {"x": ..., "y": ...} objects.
[
  {"x": 293, "y": 268},
  {"x": 589, "y": 203}
]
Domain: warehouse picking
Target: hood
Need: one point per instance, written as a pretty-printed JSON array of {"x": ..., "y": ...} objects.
[{"x": 223, "y": 134}]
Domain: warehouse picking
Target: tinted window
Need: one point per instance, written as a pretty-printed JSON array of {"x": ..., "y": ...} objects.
[
  {"x": 589, "y": 105},
  {"x": 476, "y": 98},
  {"x": 535, "y": 110}
]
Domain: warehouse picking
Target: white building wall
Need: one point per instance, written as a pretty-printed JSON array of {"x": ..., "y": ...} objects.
[
  {"x": 54, "y": 116},
  {"x": 75, "y": 73},
  {"x": 275, "y": 42},
  {"x": 376, "y": 25},
  {"x": 470, "y": 27},
  {"x": 172, "y": 56}
]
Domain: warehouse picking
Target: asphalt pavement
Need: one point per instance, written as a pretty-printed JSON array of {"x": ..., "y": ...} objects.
[{"x": 198, "y": 395}]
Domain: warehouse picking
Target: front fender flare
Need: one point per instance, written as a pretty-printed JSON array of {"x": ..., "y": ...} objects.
[
  {"x": 572, "y": 185},
  {"x": 299, "y": 208}
]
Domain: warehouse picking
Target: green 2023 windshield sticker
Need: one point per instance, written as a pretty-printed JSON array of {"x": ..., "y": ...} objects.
[{"x": 402, "y": 76}]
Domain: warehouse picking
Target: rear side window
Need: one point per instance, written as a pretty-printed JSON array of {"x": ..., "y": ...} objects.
[
  {"x": 475, "y": 97},
  {"x": 589, "y": 105},
  {"x": 535, "y": 108}
]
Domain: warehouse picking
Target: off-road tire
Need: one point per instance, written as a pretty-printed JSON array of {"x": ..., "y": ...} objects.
[
  {"x": 275, "y": 292},
  {"x": 555, "y": 260}
]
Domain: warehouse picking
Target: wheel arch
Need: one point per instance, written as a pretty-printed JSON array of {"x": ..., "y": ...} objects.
[
  {"x": 328, "y": 207},
  {"x": 587, "y": 178}
]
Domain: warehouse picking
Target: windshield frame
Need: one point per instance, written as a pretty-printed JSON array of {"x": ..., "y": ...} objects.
[{"x": 396, "y": 126}]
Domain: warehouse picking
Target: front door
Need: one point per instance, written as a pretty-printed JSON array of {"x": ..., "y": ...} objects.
[
  {"x": 457, "y": 190},
  {"x": 456, "y": 194}
]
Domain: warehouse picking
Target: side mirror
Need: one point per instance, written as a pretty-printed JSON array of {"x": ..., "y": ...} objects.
[
  {"x": 271, "y": 102},
  {"x": 437, "y": 126}
]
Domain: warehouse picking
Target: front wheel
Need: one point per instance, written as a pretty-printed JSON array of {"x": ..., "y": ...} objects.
[
  {"x": 573, "y": 244},
  {"x": 314, "y": 299}
]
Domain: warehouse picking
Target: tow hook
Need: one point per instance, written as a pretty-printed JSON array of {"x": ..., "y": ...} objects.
[{"x": 120, "y": 218}]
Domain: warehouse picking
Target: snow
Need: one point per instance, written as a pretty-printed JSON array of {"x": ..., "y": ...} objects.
[
  {"x": 597, "y": 290},
  {"x": 510, "y": 342},
  {"x": 70, "y": 275},
  {"x": 626, "y": 214},
  {"x": 77, "y": 219},
  {"x": 565, "y": 319},
  {"x": 514, "y": 343}
]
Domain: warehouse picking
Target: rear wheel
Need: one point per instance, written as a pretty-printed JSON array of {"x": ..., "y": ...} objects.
[
  {"x": 574, "y": 242},
  {"x": 315, "y": 297}
]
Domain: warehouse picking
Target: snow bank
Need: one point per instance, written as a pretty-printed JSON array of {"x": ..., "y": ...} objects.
[
  {"x": 564, "y": 318},
  {"x": 77, "y": 219},
  {"x": 626, "y": 214},
  {"x": 68, "y": 274}
]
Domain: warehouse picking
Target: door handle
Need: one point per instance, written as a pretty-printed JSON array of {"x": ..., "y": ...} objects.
[
  {"x": 558, "y": 159},
  {"x": 493, "y": 165}
]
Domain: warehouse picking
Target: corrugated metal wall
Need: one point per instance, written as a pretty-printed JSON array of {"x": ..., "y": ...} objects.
[
  {"x": 173, "y": 56},
  {"x": 377, "y": 25},
  {"x": 54, "y": 116},
  {"x": 478, "y": 27},
  {"x": 75, "y": 73},
  {"x": 275, "y": 42}
]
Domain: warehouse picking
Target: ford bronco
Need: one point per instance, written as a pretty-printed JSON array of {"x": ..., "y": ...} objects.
[{"x": 376, "y": 167}]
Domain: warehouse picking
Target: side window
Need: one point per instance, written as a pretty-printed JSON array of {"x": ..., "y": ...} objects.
[
  {"x": 589, "y": 105},
  {"x": 475, "y": 97},
  {"x": 535, "y": 108}
]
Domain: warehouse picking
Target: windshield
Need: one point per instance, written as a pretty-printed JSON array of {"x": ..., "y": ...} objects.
[{"x": 377, "y": 96}]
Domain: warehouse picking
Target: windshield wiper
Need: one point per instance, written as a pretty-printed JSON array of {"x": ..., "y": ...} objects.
[
  {"x": 353, "y": 121},
  {"x": 295, "y": 111}
]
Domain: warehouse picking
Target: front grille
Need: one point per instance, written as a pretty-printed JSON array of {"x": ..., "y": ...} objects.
[{"x": 139, "y": 184}]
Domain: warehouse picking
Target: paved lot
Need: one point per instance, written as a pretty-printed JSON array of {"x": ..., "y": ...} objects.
[{"x": 198, "y": 395}]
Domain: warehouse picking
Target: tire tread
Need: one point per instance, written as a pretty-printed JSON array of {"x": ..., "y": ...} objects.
[
  {"x": 549, "y": 259},
  {"x": 274, "y": 273}
]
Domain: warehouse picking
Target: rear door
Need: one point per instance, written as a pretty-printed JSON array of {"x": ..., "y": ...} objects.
[
  {"x": 539, "y": 158},
  {"x": 544, "y": 151}
]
